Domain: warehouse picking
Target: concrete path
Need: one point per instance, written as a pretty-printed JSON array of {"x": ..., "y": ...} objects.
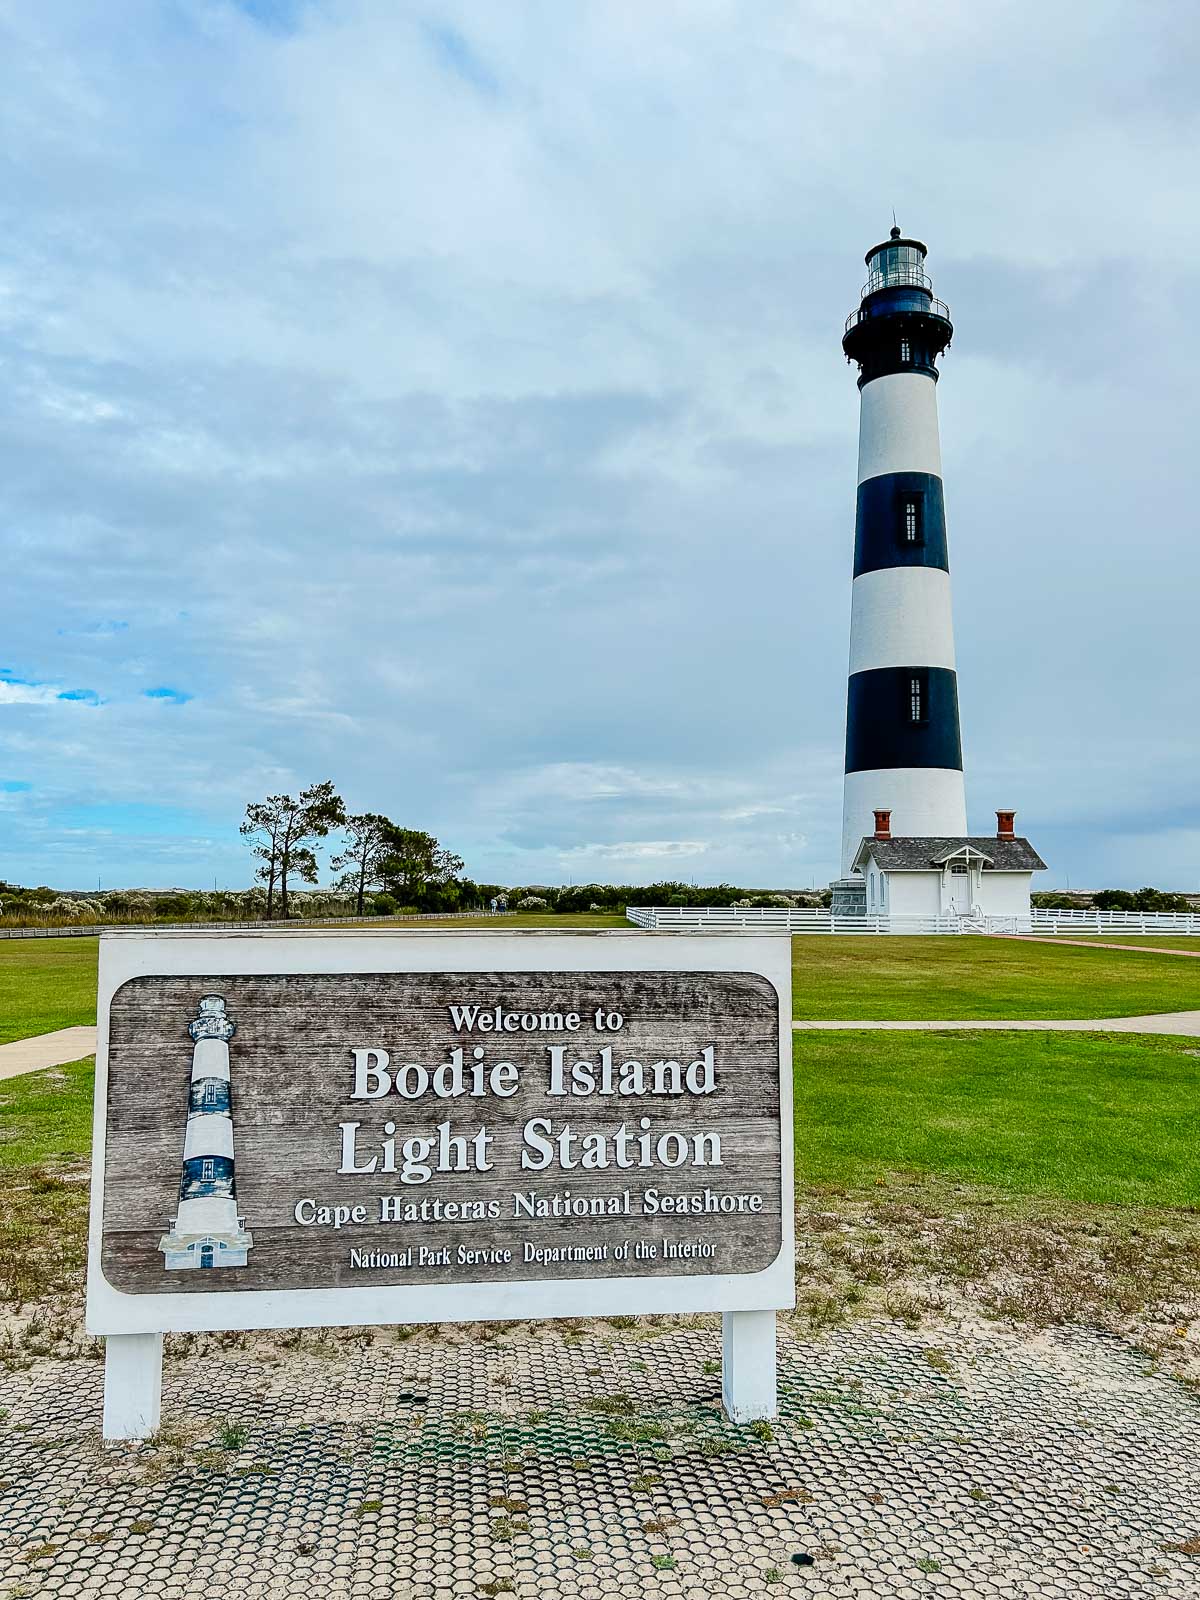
[
  {"x": 46, "y": 1050},
  {"x": 1101, "y": 944},
  {"x": 1185, "y": 1023}
]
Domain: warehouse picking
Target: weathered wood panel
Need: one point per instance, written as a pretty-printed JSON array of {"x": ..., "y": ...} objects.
[{"x": 292, "y": 1078}]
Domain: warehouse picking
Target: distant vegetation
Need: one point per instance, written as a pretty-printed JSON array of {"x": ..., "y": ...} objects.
[
  {"x": 1112, "y": 900},
  {"x": 419, "y": 881},
  {"x": 385, "y": 869}
]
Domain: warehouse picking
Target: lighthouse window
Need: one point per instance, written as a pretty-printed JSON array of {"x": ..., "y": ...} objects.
[
  {"x": 916, "y": 698},
  {"x": 910, "y": 523},
  {"x": 905, "y": 350},
  {"x": 211, "y": 1092},
  {"x": 206, "y": 1170}
]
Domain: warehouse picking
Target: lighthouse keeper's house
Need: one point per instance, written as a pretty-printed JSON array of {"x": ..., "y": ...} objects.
[{"x": 964, "y": 876}]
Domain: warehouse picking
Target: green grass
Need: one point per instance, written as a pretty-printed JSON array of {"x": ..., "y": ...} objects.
[
  {"x": 46, "y": 1117},
  {"x": 1053, "y": 1171},
  {"x": 46, "y": 984},
  {"x": 45, "y": 1137},
  {"x": 51, "y": 983},
  {"x": 885, "y": 979},
  {"x": 1098, "y": 1118}
]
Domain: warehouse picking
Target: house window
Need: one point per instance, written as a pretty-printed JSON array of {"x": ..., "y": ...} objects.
[
  {"x": 916, "y": 697},
  {"x": 958, "y": 866},
  {"x": 207, "y": 1171},
  {"x": 905, "y": 350}
]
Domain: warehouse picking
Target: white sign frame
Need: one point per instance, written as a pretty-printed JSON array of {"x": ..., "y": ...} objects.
[{"x": 134, "y": 1324}]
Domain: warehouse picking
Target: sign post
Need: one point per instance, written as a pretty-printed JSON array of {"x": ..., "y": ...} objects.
[{"x": 300, "y": 1129}]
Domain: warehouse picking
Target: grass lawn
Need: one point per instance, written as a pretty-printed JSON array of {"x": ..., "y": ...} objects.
[
  {"x": 47, "y": 1117},
  {"x": 46, "y": 984},
  {"x": 1108, "y": 1119},
  {"x": 45, "y": 1141},
  {"x": 897, "y": 978},
  {"x": 51, "y": 983},
  {"x": 1033, "y": 1177}
]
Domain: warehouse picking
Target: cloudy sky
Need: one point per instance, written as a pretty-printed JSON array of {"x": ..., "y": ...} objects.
[{"x": 447, "y": 399}]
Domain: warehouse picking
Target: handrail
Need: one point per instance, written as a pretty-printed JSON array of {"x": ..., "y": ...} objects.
[
  {"x": 897, "y": 278},
  {"x": 937, "y": 308}
]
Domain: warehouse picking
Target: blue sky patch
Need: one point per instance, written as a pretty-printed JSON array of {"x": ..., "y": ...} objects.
[
  {"x": 173, "y": 697},
  {"x": 87, "y": 697},
  {"x": 456, "y": 55},
  {"x": 14, "y": 786}
]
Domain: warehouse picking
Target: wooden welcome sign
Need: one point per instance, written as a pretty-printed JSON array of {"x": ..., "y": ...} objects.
[{"x": 302, "y": 1129}]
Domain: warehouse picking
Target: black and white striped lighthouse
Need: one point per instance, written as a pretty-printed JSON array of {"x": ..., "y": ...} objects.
[
  {"x": 206, "y": 1230},
  {"x": 903, "y": 749}
]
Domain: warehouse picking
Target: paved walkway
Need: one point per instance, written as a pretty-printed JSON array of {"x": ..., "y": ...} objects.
[
  {"x": 70, "y": 1044},
  {"x": 1101, "y": 944},
  {"x": 1186, "y": 1023},
  {"x": 46, "y": 1050},
  {"x": 535, "y": 1464}
]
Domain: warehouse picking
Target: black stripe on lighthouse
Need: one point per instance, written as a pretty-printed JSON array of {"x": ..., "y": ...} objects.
[
  {"x": 903, "y": 717},
  {"x": 900, "y": 522}
]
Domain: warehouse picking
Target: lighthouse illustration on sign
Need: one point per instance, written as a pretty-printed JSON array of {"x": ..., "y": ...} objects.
[{"x": 206, "y": 1230}]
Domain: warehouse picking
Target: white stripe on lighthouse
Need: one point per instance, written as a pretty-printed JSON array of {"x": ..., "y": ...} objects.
[
  {"x": 208, "y": 1134},
  {"x": 898, "y": 426},
  {"x": 931, "y": 801},
  {"x": 210, "y": 1059},
  {"x": 900, "y": 617}
]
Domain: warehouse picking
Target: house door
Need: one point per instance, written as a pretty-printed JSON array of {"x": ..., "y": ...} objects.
[{"x": 960, "y": 889}]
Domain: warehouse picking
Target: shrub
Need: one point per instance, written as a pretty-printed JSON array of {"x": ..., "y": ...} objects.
[{"x": 533, "y": 902}]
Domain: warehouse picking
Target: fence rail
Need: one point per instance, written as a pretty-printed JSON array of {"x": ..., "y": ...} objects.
[
  {"x": 74, "y": 930},
  {"x": 772, "y": 919},
  {"x": 1081, "y": 921},
  {"x": 756, "y": 919}
]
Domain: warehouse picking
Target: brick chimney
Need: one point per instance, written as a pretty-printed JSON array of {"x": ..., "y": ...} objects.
[
  {"x": 1004, "y": 824},
  {"x": 883, "y": 824}
]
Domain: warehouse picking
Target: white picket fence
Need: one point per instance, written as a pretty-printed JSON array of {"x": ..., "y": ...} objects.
[
  {"x": 1077, "y": 921},
  {"x": 778, "y": 919}
]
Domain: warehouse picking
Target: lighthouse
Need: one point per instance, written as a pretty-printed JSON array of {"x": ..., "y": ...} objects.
[
  {"x": 206, "y": 1230},
  {"x": 903, "y": 748}
]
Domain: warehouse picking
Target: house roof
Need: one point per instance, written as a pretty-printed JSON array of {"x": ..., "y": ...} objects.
[{"x": 927, "y": 854}]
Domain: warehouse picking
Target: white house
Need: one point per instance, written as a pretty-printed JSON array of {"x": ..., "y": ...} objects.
[{"x": 965, "y": 875}]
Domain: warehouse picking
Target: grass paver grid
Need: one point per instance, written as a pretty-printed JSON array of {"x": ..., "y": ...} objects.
[{"x": 1057, "y": 1468}]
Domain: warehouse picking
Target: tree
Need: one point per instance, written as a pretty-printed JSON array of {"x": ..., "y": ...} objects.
[
  {"x": 413, "y": 866},
  {"x": 363, "y": 855},
  {"x": 264, "y": 819},
  {"x": 285, "y": 829}
]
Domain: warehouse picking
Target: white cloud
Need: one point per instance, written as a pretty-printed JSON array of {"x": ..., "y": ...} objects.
[
  {"x": 468, "y": 423},
  {"x": 641, "y": 850}
]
